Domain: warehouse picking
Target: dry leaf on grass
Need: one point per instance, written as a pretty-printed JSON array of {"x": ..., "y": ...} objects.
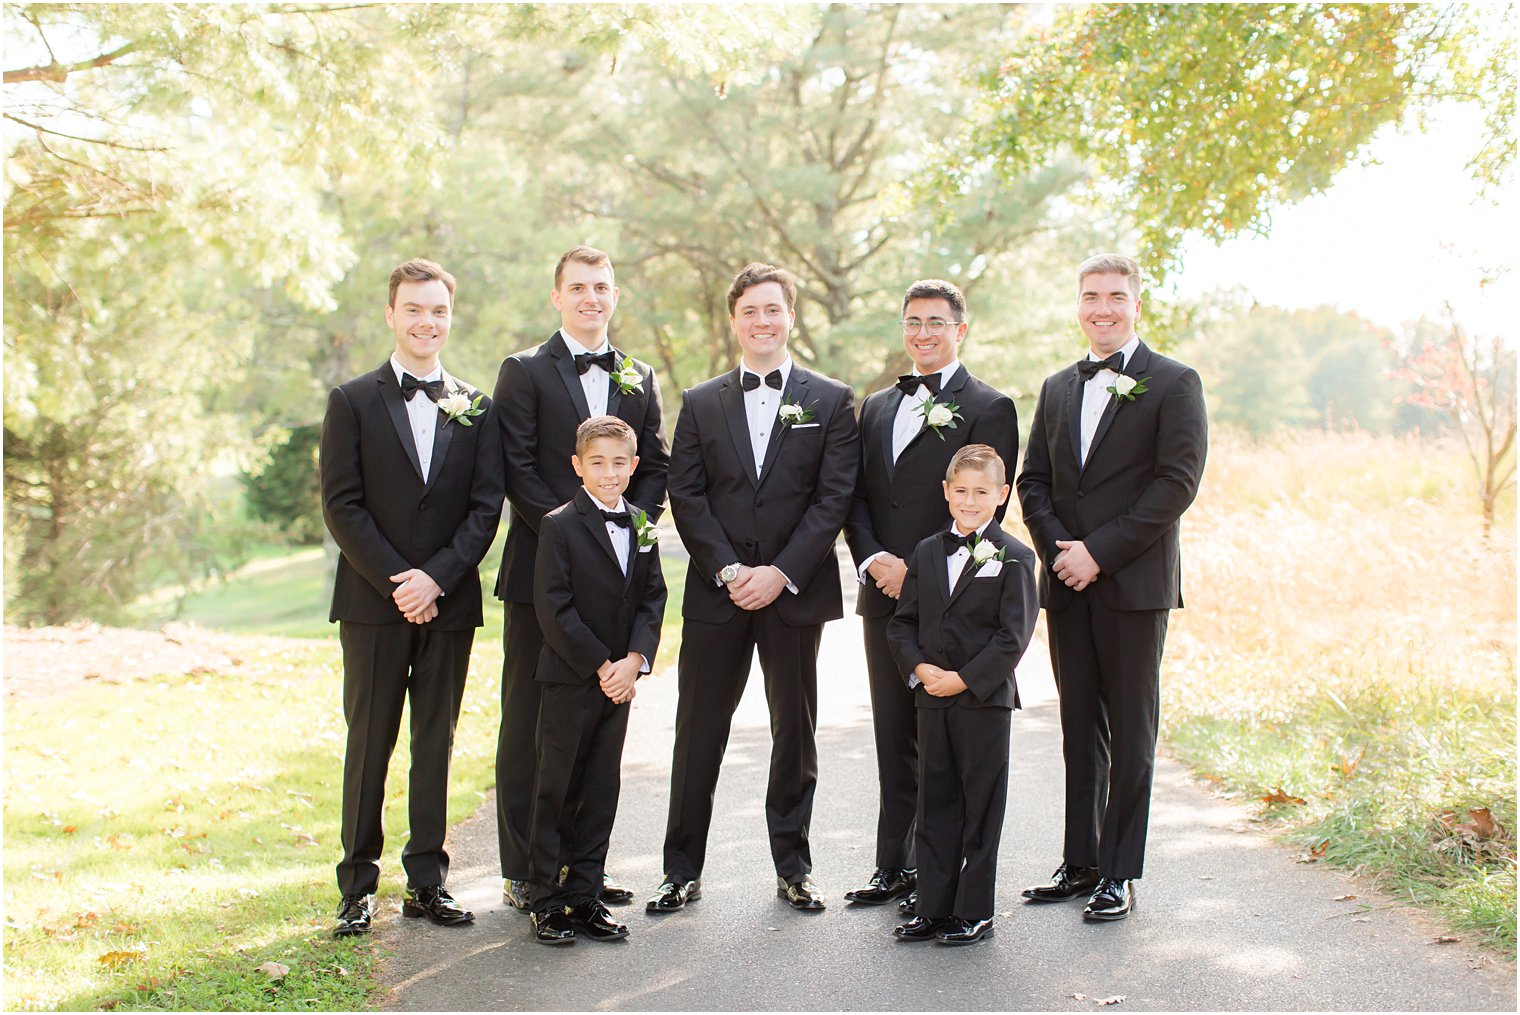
[
  {"x": 1445, "y": 939},
  {"x": 1115, "y": 999},
  {"x": 275, "y": 970},
  {"x": 1343, "y": 898},
  {"x": 119, "y": 958},
  {"x": 1277, "y": 796}
]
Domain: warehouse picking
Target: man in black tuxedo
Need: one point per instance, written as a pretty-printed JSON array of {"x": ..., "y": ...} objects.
[
  {"x": 411, "y": 492},
  {"x": 541, "y": 396},
  {"x": 762, "y": 471},
  {"x": 1115, "y": 455},
  {"x": 899, "y": 502}
]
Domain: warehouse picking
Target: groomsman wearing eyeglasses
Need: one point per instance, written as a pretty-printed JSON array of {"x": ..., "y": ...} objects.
[
  {"x": 899, "y": 501},
  {"x": 1115, "y": 454},
  {"x": 542, "y": 396}
]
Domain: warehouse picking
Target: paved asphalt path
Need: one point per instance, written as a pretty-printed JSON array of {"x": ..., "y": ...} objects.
[{"x": 1225, "y": 918}]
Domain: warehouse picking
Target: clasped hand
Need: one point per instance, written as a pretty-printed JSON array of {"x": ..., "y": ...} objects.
[
  {"x": 939, "y": 682},
  {"x": 1074, "y": 565},
  {"x": 417, "y": 595},
  {"x": 756, "y": 587},
  {"x": 889, "y": 572},
  {"x": 618, "y": 679}
]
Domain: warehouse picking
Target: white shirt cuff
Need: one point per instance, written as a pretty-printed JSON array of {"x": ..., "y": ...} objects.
[{"x": 861, "y": 571}]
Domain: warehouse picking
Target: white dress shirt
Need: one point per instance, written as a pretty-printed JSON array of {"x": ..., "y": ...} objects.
[
  {"x": 422, "y": 412},
  {"x": 593, "y": 381},
  {"x": 1095, "y": 394},
  {"x": 622, "y": 544},
  {"x": 760, "y": 408},
  {"x": 955, "y": 563}
]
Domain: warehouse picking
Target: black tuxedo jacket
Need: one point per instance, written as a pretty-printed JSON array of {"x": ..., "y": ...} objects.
[
  {"x": 539, "y": 402},
  {"x": 589, "y": 610},
  {"x": 896, "y": 505},
  {"x": 385, "y": 520},
  {"x": 1141, "y": 474},
  {"x": 787, "y": 517},
  {"x": 980, "y": 628}
]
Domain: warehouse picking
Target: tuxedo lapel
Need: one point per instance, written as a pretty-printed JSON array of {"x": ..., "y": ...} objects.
[
  {"x": 1139, "y": 360},
  {"x": 731, "y": 401},
  {"x": 395, "y": 405},
  {"x": 564, "y": 362},
  {"x": 614, "y": 393},
  {"x": 591, "y": 515},
  {"x": 948, "y": 392},
  {"x": 886, "y": 420},
  {"x": 963, "y": 582},
  {"x": 797, "y": 391},
  {"x": 1074, "y": 414},
  {"x": 443, "y": 433}
]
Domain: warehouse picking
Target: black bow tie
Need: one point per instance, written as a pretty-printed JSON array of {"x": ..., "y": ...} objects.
[
  {"x": 411, "y": 385},
  {"x": 752, "y": 381},
  {"x": 1088, "y": 367},
  {"x": 954, "y": 541},
  {"x": 621, "y": 518},
  {"x": 586, "y": 360},
  {"x": 909, "y": 383}
]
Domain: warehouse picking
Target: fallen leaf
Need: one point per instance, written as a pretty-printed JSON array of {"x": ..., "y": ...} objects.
[
  {"x": 1319, "y": 851},
  {"x": 1079, "y": 997},
  {"x": 1445, "y": 939},
  {"x": 119, "y": 958},
  {"x": 1361, "y": 919},
  {"x": 70, "y": 829},
  {"x": 1277, "y": 796},
  {"x": 275, "y": 970},
  {"x": 1115, "y": 999},
  {"x": 306, "y": 839},
  {"x": 1206, "y": 877},
  {"x": 87, "y": 919},
  {"x": 1343, "y": 898},
  {"x": 1483, "y": 824}
]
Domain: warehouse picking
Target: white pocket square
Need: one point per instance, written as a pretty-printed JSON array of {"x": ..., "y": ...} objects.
[
  {"x": 805, "y": 426},
  {"x": 991, "y": 569},
  {"x": 646, "y": 549}
]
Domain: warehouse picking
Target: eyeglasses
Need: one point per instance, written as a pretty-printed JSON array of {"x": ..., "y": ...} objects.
[{"x": 934, "y": 326}]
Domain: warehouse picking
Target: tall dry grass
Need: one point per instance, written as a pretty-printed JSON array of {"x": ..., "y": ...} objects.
[{"x": 1348, "y": 649}]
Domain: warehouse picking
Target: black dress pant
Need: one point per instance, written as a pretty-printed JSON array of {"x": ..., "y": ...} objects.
[
  {"x": 580, "y": 754},
  {"x": 384, "y": 666},
  {"x": 713, "y": 669},
  {"x": 516, "y": 754},
  {"x": 962, "y": 795},
  {"x": 1107, "y": 667},
  {"x": 894, "y": 720}
]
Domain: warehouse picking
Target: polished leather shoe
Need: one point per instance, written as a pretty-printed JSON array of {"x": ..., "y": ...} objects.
[
  {"x": 615, "y": 894},
  {"x": 673, "y": 895},
  {"x": 592, "y": 922},
  {"x": 553, "y": 928},
  {"x": 355, "y": 914},
  {"x": 920, "y": 928},
  {"x": 515, "y": 894},
  {"x": 435, "y": 903},
  {"x": 803, "y": 895},
  {"x": 1112, "y": 900},
  {"x": 963, "y": 932},
  {"x": 908, "y": 904},
  {"x": 886, "y": 884},
  {"x": 1067, "y": 883}
]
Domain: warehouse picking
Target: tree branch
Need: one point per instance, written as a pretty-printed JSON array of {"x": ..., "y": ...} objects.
[
  {"x": 75, "y": 137},
  {"x": 59, "y": 72}
]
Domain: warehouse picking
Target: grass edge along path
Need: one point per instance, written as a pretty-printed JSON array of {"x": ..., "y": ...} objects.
[{"x": 194, "y": 837}]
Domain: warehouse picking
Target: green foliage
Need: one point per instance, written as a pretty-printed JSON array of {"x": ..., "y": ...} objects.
[
  {"x": 1202, "y": 117},
  {"x": 285, "y": 490}
]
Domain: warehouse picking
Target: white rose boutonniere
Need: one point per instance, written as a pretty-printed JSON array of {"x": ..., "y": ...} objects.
[
  {"x": 984, "y": 550},
  {"x": 627, "y": 378},
  {"x": 939, "y": 416},
  {"x": 644, "y": 529},
  {"x": 1127, "y": 387},
  {"x": 457, "y": 405},
  {"x": 791, "y": 413}
]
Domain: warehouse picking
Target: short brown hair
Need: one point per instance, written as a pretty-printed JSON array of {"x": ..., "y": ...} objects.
[
  {"x": 755, "y": 273},
  {"x": 419, "y": 269},
  {"x": 598, "y": 427},
  {"x": 1111, "y": 264},
  {"x": 980, "y": 458},
  {"x": 937, "y": 289},
  {"x": 584, "y": 255}
]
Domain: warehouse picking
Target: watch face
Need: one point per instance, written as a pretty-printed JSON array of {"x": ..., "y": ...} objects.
[{"x": 729, "y": 573}]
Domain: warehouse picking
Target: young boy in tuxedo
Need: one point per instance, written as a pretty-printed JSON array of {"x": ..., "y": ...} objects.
[
  {"x": 966, "y": 614},
  {"x": 599, "y": 596}
]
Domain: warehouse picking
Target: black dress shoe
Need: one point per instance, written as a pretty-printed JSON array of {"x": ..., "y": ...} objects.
[
  {"x": 886, "y": 884},
  {"x": 515, "y": 894},
  {"x": 592, "y": 922},
  {"x": 553, "y": 928},
  {"x": 1067, "y": 883},
  {"x": 803, "y": 895},
  {"x": 673, "y": 895},
  {"x": 615, "y": 894},
  {"x": 920, "y": 928},
  {"x": 355, "y": 914},
  {"x": 435, "y": 903},
  {"x": 1112, "y": 900},
  {"x": 907, "y": 905},
  {"x": 963, "y": 932}
]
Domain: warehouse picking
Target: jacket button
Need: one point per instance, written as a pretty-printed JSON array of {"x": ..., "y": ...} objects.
[
  {"x": 1081, "y": 494},
  {"x": 896, "y": 504}
]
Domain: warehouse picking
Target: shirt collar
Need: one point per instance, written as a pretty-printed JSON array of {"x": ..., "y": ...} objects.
[
  {"x": 785, "y": 368},
  {"x": 943, "y": 372},
  {"x": 1127, "y": 350},
  {"x": 980, "y": 529},
  {"x": 576, "y": 349},
  {"x": 622, "y": 504},
  {"x": 436, "y": 375}
]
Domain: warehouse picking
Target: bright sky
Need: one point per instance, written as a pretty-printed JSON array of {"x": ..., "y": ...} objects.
[{"x": 1389, "y": 241}]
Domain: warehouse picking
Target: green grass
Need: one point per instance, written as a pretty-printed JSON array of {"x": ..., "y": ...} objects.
[{"x": 197, "y": 837}]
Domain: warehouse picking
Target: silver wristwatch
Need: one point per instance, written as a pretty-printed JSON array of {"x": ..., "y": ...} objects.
[{"x": 729, "y": 573}]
